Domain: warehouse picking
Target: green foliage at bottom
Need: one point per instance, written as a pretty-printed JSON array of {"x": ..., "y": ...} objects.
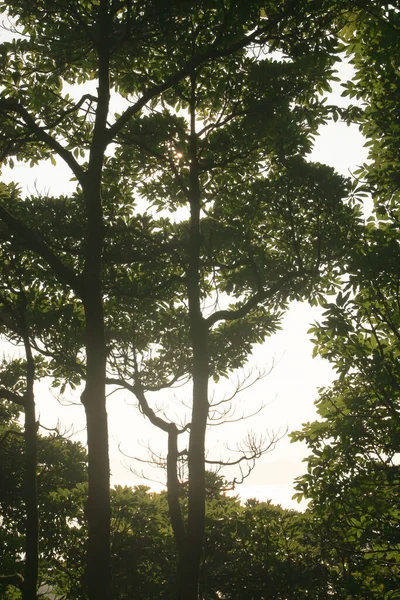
[{"x": 342, "y": 549}]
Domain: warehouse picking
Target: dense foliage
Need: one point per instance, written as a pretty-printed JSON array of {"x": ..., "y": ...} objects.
[
  {"x": 253, "y": 551},
  {"x": 197, "y": 217},
  {"x": 61, "y": 467},
  {"x": 353, "y": 473}
]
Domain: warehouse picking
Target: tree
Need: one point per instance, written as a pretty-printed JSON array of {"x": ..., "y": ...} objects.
[
  {"x": 356, "y": 445},
  {"x": 17, "y": 386},
  {"x": 208, "y": 127},
  {"x": 370, "y": 40},
  {"x": 23, "y": 298},
  {"x": 61, "y": 465},
  {"x": 264, "y": 238}
]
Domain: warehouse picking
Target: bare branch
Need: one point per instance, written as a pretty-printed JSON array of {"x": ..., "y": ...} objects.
[
  {"x": 144, "y": 405},
  {"x": 154, "y": 460},
  {"x": 251, "y": 448},
  {"x": 222, "y": 418},
  {"x": 243, "y": 385},
  {"x": 66, "y": 435}
]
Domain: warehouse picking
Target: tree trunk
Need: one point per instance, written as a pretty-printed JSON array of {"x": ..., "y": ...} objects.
[
  {"x": 175, "y": 511},
  {"x": 94, "y": 396},
  {"x": 94, "y": 401},
  {"x": 98, "y": 505},
  {"x": 189, "y": 566},
  {"x": 30, "y": 584}
]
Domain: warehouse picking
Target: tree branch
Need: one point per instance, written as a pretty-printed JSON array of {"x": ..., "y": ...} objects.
[
  {"x": 12, "y": 397},
  {"x": 261, "y": 296},
  {"x": 16, "y": 580},
  {"x": 32, "y": 241},
  {"x": 144, "y": 405},
  {"x": 10, "y": 104},
  {"x": 10, "y": 432},
  {"x": 73, "y": 108},
  {"x": 208, "y": 55}
]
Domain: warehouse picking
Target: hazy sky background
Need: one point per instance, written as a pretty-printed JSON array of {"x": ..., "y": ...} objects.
[{"x": 288, "y": 392}]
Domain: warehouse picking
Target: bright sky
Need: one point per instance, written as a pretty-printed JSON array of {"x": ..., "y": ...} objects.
[{"x": 288, "y": 392}]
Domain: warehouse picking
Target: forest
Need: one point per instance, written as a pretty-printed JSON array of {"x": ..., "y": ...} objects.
[{"x": 197, "y": 218}]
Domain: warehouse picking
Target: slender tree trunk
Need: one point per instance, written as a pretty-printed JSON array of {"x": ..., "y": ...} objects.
[
  {"x": 98, "y": 502},
  {"x": 94, "y": 396},
  {"x": 94, "y": 400},
  {"x": 30, "y": 585},
  {"x": 189, "y": 567},
  {"x": 191, "y": 561},
  {"x": 175, "y": 511}
]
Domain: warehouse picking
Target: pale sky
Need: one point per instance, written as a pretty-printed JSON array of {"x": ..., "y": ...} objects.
[{"x": 288, "y": 392}]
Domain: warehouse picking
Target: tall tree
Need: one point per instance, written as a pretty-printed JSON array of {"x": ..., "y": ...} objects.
[
  {"x": 61, "y": 465},
  {"x": 26, "y": 317},
  {"x": 204, "y": 125},
  {"x": 19, "y": 381},
  {"x": 250, "y": 243},
  {"x": 354, "y": 461}
]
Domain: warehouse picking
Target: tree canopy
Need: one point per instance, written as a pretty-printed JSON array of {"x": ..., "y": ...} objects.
[
  {"x": 197, "y": 217},
  {"x": 352, "y": 477}
]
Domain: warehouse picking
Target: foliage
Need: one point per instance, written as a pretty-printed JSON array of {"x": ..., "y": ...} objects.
[
  {"x": 256, "y": 551},
  {"x": 371, "y": 41},
  {"x": 260, "y": 551},
  {"x": 196, "y": 217},
  {"x": 353, "y": 475},
  {"x": 61, "y": 465}
]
